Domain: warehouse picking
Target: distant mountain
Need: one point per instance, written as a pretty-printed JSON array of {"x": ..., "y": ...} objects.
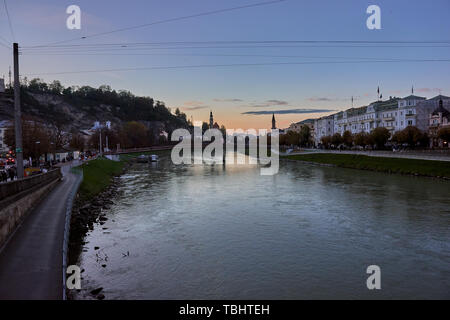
[{"x": 77, "y": 108}]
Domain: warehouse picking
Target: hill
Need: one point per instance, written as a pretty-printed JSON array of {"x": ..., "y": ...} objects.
[{"x": 77, "y": 108}]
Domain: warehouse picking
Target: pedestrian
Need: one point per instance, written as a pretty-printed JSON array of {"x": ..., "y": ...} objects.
[{"x": 11, "y": 174}]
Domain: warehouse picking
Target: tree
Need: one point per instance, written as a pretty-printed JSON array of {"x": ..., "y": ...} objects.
[
  {"x": 380, "y": 136},
  {"x": 134, "y": 135},
  {"x": 361, "y": 139},
  {"x": 223, "y": 130},
  {"x": 326, "y": 141},
  {"x": 444, "y": 134},
  {"x": 305, "y": 136},
  {"x": 292, "y": 138},
  {"x": 336, "y": 139},
  {"x": 412, "y": 136},
  {"x": 205, "y": 126},
  {"x": 347, "y": 138},
  {"x": 77, "y": 141},
  {"x": 56, "y": 87},
  {"x": 58, "y": 137},
  {"x": 35, "y": 138}
]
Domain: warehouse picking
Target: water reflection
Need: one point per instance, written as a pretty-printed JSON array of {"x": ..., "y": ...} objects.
[{"x": 224, "y": 231}]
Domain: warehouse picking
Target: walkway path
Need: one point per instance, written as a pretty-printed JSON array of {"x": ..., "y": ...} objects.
[
  {"x": 31, "y": 262},
  {"x": 409, "y": 155}
]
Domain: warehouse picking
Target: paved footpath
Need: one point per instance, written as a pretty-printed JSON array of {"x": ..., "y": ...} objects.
[
  {"x": 408, "y": 155},
  {"x": 31, "y": 262}
]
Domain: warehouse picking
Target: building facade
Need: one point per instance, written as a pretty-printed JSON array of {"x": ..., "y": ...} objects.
[
  {"x": 4, "y": 124},
  {"x": 394, "y": 114},
  {"x": 438, "y": 119}
]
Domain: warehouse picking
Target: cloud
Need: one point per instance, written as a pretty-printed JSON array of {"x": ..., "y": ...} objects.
[
  {"x": 427, "y": 90},
  {"x": 288, "y": 111},
  {"x": 267, "y": 103},
  {"x": 194, "y": 105},
  {"x": 320, "y": 99},
  {"x": 326, "y": 99},
  {"x": 228, "y": 100},
  {"x": 195, "y": 108}
]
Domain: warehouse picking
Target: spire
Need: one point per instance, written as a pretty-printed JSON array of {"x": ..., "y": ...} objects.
[
  {"x": 274, "y": 123},
  {"x": 211, "y": 120}
]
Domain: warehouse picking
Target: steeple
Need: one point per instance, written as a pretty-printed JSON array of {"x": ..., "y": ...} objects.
[
  {"x": 211, "y": 120},
  {"x": 274, "y": 124}
]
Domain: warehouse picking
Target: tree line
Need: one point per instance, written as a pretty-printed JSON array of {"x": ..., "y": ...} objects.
[{"x": 379, "y": 137}]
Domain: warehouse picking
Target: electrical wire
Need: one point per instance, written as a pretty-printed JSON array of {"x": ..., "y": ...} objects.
[{"x": 233, "y": 65}]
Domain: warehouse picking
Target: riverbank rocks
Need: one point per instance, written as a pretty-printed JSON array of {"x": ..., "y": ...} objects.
[
  {"x": 96, "y": 291},
  {"x": 85, "y": 213}
]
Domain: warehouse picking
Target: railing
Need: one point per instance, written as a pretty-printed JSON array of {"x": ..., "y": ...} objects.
[
  {"x": 15, "y": 187},
  {"x": 135, "y": 150},
  {"x": 78, "y": 171}
]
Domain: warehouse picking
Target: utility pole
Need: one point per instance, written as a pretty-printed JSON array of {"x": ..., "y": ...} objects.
[
  {"x": 100, "y": 135},
  {"x": 17, "y": 114}
]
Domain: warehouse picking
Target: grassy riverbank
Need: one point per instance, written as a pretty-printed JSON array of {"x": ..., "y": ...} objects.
[
  {"x": 97, "y": 175},
  {"x": 428, "y": 168}
]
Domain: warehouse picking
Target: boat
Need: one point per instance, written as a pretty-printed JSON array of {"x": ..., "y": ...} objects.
[
  {"x": 142, "y": 159},
  {"x": 154, "y": 158}
]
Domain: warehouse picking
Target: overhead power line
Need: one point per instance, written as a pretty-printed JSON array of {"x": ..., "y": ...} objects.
[
  {"x": 219, "y": 55},
  {"x": 9, "y": 21},
  {"x": 234, "y": 65},
  {"x": 183, "y": 44},
  {"x": 207, "y": 13}
]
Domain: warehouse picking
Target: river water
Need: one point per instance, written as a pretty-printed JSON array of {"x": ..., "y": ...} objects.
[{"x": 309, "y": 232}]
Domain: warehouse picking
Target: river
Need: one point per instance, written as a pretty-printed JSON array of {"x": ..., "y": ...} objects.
[{"x": 309, "y": 232}]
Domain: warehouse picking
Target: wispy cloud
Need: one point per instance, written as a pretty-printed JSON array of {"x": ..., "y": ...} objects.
[
  {"x": 195, "y": 108},
  {"x": 428, "y": 90},
  {"x": 288, "y": 111},
  {"x": 228, "y": 100},
  {"x": 267, "y": 103},
  {"x": 194, "y": 105},
  {"x": 320, "y": 99},
  {"x": 328, "y": 99}
]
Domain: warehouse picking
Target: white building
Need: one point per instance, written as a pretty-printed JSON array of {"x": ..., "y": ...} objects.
[
  {"x": 394, "y": 114},
  {"x": 4, "y": 124}
]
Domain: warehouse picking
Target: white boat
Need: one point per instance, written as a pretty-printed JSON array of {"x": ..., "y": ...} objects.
[
  {"x": 154, "y": 158},
  {"x": 142, "y": 158}
]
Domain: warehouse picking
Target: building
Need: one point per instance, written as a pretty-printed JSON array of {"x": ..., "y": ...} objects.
[
  {"x": 211, "y": 120},
  {"x": 297, "y": 126},
  {"x": 439, "y": 118},
  {"x": 2, "y": 85},
  {"x": 4, "y": 124},
  {"x": 394, "y": 114}
]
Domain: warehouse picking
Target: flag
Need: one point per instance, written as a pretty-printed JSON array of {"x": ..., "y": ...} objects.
[
  {"x": 412, "y": 90},
  {"x": 378, "y": 91},
  {"x": 381, "y": 96}
]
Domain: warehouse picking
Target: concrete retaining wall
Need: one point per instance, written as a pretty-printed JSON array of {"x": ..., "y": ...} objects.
[{"x": 15, "y": 207}]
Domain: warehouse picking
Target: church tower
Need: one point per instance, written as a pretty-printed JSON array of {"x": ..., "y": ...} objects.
[
  {"x": 211, "y": 120},
  {"x": 274, "y": 124}
]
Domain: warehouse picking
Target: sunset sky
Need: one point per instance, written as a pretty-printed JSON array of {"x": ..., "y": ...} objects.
[{"x": 296, "y": 81}]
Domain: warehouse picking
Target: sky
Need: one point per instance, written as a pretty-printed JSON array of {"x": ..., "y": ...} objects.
[{"x": 245, "y": 82}]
